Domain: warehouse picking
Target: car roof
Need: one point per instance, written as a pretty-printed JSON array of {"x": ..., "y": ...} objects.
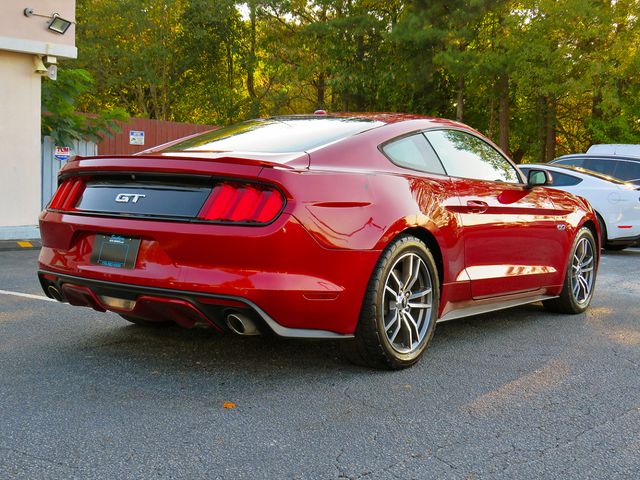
[
  {"x": 624, "y": 149},
  {"x": 586, "y": 156},
  {"x": 572, "y": 169},
  {"x": 299, "y": 133},
  {"x": 381, "y": 117}
]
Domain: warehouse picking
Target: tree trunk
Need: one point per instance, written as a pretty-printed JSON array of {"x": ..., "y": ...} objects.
[
  {"x": 491, "y": 129},
  {"x": 518, "y": 155},
  {"x": 460, "y": 99},
  {"x": 359, "y": 95},
  {"x": 229, "y": 66},
  {"x": 141, "y": 101},
  {"x": 346, "y": 96},
  {"x": 320, "y": 90},
  {"x": 596, "y": 111},
  {"x": 252, "y": 51},
  {"x": 542, "y": 129},
  {"x": 503, "y": 115},
  {"x": 550, "y": 131}
]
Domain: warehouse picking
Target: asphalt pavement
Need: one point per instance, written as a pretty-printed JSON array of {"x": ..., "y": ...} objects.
[{"x": 517, "y": 394}]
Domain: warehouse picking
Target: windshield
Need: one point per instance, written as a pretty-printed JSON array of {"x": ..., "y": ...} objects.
[{"x": 275, "y": 135}]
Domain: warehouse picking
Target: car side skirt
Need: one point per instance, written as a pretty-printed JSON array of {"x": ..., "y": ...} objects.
[{"x": 494, "y": 305}]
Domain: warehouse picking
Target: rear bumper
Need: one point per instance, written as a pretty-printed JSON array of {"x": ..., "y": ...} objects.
[
  {"x": 158, "y": 304},
  {"x": 277, "y": 272}
]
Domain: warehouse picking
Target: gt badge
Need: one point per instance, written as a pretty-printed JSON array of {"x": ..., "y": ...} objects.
[{"x": 129, "y": 197}]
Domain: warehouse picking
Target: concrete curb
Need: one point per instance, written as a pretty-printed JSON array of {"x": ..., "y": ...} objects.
[{"x": 25, "y": 244}]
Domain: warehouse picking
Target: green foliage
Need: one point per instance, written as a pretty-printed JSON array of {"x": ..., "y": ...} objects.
[
  {"x": 60, "y": 119},
  {"x": 542, "y": 77}
]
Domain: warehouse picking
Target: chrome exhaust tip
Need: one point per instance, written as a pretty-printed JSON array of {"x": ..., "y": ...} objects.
[
  {"x": 241, "y": 324},
  {"x": 55, "y": 293}
]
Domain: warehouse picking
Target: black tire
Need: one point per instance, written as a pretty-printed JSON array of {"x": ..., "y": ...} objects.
[
  {"x": 146, "y": 323},
  {"x": 615, "y": 248},
  {"x": 568, "y": 301},
  {"x": 371, "y": 345}
]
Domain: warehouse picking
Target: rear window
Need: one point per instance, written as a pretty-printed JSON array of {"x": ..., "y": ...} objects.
[
  {"x": 627, "y": 170},
  {"x": 275, "y": 135}
]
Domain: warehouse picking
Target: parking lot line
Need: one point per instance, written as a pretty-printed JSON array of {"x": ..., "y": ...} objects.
[{"x": 27, "y": 295}]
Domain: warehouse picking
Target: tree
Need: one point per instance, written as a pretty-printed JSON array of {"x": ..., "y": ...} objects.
[
  {"x": 60, "y": 119},
  {"x": 541, "y": 77}
]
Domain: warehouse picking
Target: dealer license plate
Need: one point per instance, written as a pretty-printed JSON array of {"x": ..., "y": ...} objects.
[{"x": 115, "y": 251}]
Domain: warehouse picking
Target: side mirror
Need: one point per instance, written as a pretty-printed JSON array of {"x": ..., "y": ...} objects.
[{"x": 538, "y": 178}]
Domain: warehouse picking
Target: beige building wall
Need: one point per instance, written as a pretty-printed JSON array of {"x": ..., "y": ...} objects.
[
  {"x": 19, "y": 141},
  {"x": 19, "y": 33},
  {"x": 23, "y": 39}
]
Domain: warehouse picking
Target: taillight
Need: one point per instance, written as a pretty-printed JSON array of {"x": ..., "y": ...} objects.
[
  {"x": 244, "y": 203},
  {"x": 67, "y": 195}
]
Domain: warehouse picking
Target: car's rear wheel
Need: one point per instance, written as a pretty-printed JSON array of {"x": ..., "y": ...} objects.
[
  {"x": 400, "y": 308},
  {"x": 580, "y": 279}
]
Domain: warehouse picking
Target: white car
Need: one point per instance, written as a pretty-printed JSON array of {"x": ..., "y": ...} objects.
[{"x": 616, "y": 203}]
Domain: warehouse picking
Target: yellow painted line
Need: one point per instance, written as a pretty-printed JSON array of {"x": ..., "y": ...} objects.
[
  {"x": 25, "y": 244},
  {"x": 27, "y": 295}
]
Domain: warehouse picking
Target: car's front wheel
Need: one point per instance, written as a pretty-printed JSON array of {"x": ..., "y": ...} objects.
[
  {"x": 400, "y": 307},
  {"x": 580, "y": 279}
]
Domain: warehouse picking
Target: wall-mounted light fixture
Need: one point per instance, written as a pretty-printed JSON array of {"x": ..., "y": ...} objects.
[
  {"x": 56, "y": 24},
  {"x": 59, "y": 24}
]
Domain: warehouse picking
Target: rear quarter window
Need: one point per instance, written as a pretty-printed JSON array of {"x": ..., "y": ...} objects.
[
  {"x": 414, "y": 152},
  {"x": 563, "y": 180}
]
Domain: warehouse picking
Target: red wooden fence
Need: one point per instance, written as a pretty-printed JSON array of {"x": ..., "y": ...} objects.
[{"x": 156, "y": 132}]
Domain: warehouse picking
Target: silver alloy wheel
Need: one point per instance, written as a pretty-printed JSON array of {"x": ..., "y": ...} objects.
[
  {"x": 582, "y": 274},
  {"x": 407, "y": 302}
]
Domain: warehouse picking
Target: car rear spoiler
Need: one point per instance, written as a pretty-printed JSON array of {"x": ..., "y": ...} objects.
[{"x": 197, "y": 163}]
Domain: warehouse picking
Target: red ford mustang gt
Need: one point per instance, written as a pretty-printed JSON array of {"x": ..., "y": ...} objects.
[{"x": 367, "y": 228}]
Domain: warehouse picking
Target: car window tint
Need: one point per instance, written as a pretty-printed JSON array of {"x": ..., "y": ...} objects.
[
  {"x": 414, "y": 152},
  {"x": 574, "y": 162},
  {"x": 465, "y": 155},
  {"x": 563, "y": 180},
  {"x": 599, "y": 165},
  {"x": 275, "y": 135},
  {"x": 627, "y": 170}
]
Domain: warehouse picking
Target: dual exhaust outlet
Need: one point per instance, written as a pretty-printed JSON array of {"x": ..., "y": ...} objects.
[
  {"x": 237, "y": 322},
  {"x": 241, "y": 324},
  {"x": 55, "y": 293}
]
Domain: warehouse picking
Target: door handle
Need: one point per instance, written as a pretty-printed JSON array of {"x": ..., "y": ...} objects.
[{"x": 477, "y": 206}]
